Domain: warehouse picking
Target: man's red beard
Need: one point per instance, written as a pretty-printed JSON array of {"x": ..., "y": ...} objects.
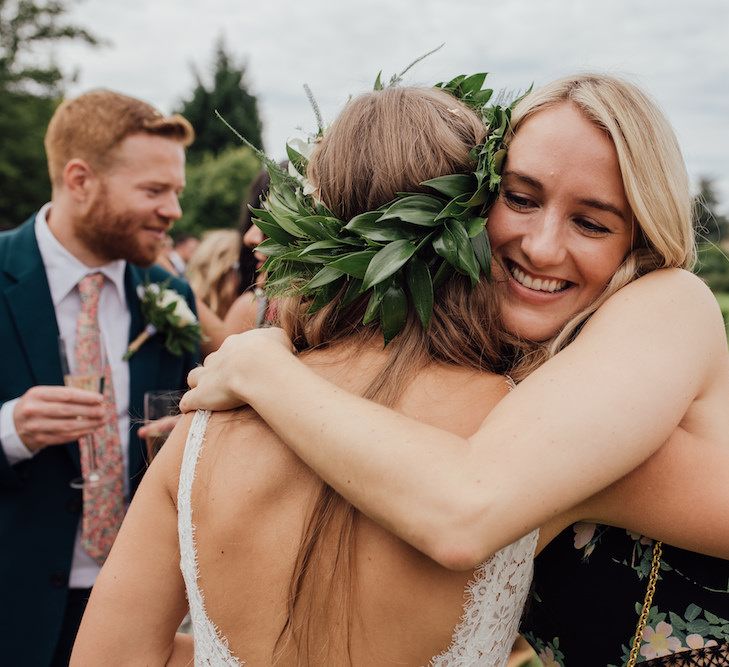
[{"x": 114, "y": 235}]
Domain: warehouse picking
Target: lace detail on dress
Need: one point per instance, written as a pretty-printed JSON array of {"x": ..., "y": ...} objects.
[
  {"x": 483, "y": 638},
  {"x": 211, "y": 648},
  {"x": 491, "y": 615}
]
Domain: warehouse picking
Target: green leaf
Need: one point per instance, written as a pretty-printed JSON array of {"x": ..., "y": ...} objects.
[
  {"x": 421, "y": 289},
  {"x": 323, "y": 277},
  {"x": 474, "y": 226},
  {"x": 713, "y": 619},
  {"x": 370, "y": 227},
  {"x": 325, "y": 295},
  {"x": 677, "y": 622},
  {"x": 453, "y": 185},
  {"x": 699, "y": 627},
  {"x": 482, "y": 250},
  {"x": 327, "y": 244},
  {"x": 415, "y": 209},
  {"x": 445, "y": 270},
  {"x": 275, "y": 232},
  {"x": 270, "y": 248},
  {"x": 297, "y": 159},
  {"x": 354, "y": 264},
  {"x": 473, "y": 83},
  {"x": 393, "y": 312},
  {"x": 387, "y": 261},
  {"x": 499, "y": 158},
  {"x": 313, "y": 227},
  {"x": 454, "y": 208},
  {"x": 354, "y": 290},
  {"x": 373, "y": 305},
  {"x": 692, "y": 612},
  {"x": 378, "y": 81}
]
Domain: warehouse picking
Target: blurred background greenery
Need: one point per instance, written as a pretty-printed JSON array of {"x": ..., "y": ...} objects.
[{"x": 219, "y": 169}]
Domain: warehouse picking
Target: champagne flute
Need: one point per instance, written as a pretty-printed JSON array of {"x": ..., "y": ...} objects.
[
  {"x": 158, "y": 405},
  {"x": 90, "y": 381}
]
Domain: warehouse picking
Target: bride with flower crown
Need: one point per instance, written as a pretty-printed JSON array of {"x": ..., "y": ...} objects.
[{"x": 277, "y": 567}]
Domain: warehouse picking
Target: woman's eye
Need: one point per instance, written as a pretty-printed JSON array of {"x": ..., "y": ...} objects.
[
  {"x": 591, "y": 227},
  {"x": 517, "y": 201}
]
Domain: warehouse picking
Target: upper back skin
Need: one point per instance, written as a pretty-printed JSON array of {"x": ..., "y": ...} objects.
[{"x": 252, "y": 497}]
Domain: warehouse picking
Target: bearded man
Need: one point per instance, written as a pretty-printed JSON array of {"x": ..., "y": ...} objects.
[{"x": 117, "y": 168}]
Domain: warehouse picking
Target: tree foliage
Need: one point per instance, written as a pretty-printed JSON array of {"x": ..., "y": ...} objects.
[
  {"x": 25, "y": 25},
  {"x": 228, "y": 93},
  {"x": 30, "y": 89},
  {"x": 711, "y": 225},
  {"x": 216, "y": 187}
]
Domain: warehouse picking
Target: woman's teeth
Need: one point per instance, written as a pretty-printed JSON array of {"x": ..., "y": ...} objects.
[{"x": 537, "y": 284}]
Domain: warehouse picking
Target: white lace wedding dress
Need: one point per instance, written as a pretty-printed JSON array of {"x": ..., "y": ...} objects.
[{"x": 484, "y": 637}]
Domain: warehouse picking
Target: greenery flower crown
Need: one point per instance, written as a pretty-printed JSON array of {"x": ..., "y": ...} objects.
[{"x": 400, "y": 253}]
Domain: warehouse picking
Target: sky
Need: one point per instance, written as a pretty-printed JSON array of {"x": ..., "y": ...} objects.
[{"x": 677, "y": 51}]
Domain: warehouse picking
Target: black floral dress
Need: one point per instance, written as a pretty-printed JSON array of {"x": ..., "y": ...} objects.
[{"x": 589, "y": 587}]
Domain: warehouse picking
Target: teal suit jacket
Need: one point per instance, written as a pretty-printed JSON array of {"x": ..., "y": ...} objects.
[{"x": 39, "y": 512}]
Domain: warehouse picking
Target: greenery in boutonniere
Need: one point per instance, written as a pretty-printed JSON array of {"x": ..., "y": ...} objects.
[
  {"x": 400, "y": 253},
  {"x": 166, "y": 312}
]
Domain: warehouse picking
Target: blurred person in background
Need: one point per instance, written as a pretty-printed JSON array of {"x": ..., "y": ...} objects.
[
  {"x": 213, "y": 270},
  {"x": 251, "y": 309},
  {"x": 176, "y": 253}
]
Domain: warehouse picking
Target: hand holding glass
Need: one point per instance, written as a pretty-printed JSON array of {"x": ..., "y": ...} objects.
[{"x": 90, "y": 381}]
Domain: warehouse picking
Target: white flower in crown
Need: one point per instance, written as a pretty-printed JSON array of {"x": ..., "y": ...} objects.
[
  {"x": 305, "y": 149},
  {"x": 166, "y": 312}
]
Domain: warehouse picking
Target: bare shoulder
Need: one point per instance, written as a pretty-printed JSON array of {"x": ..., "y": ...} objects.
[{"x": 666, "y": 302}]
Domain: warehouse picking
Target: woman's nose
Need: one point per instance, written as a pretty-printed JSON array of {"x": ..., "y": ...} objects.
[
  {"x": 545, "y": 243},
  {"x": 253, "y": 237}
]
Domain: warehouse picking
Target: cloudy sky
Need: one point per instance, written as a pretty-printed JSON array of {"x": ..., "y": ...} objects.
[{"x": 678, "y": 51}]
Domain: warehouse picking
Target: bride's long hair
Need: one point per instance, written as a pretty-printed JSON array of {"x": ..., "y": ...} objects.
[{"x": 382, "y": 143}]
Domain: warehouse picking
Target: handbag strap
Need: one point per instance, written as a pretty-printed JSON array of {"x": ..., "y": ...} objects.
[{"x": 647, "y": 602}]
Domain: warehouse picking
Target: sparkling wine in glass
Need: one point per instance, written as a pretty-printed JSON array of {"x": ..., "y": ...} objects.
[{"x": 90, "y": 381}]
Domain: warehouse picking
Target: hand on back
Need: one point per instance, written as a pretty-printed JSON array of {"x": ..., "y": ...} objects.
[{"x": 221, "y": 382}]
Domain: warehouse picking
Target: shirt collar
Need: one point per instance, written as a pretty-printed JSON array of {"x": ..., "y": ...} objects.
[{"x": 63, "y": 269}]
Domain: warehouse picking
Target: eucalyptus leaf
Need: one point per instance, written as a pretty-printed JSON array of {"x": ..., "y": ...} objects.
[{"x": 387, "y": 261}]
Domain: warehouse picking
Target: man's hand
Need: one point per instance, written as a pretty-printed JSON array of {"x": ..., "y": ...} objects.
[
  {"x": 242, "y": 362},
  {"x": 158, "y": 427},
  {"x": 49, "y": 415}
]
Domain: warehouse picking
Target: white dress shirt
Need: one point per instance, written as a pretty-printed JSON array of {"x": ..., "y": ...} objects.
[{"x": 64, "y": 272}]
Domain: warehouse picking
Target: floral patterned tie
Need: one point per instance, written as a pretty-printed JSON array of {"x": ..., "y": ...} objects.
[{"x": 103, "y": 504}]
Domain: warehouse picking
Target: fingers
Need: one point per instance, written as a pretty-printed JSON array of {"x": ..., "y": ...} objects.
[
  {"x": 64, "y": 395},
  {"x": 193, "y": 377},
  {"x": 161, "y": 426}
]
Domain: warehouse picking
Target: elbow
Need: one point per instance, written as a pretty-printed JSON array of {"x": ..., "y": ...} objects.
[{"x": 460, "y": 541}]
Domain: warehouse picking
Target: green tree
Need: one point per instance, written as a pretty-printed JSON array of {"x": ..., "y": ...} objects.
[
  {"x": 229, "y": 95},
  {"x": 711, "y": 225},
  {"x": 30, "y": 88},
  {"x": 216, "y": 187}
]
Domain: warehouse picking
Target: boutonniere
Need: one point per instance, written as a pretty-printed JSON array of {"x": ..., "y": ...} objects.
[{"x": 166, "y": 312}]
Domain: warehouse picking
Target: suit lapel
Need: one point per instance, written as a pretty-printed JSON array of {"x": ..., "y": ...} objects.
[{"x": 143, "y": 366}]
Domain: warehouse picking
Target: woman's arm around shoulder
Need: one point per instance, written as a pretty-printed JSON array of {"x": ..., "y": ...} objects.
[
  {"x": 138, "y": 600},
  {"x": 583, "y": 420}
]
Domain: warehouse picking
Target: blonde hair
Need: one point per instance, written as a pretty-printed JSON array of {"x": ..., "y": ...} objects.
[
  {"x": 92, "y": 125},
  {"x": 383, "y": 142},
  {"x": 653, "y": 172},
  {"x": 210, "y": 267}
]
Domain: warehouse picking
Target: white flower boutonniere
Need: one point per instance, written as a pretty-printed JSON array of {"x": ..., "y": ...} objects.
[{"x": 166, "y": 312}]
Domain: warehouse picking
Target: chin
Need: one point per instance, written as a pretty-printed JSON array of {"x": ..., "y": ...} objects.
[{"x": 533, "y": 329}]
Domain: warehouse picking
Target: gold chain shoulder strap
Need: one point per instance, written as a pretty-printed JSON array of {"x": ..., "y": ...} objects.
[{"x": 650, "y": 592}]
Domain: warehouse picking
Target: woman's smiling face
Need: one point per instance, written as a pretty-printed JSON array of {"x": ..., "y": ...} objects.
[{"x": 562, "y": 224}]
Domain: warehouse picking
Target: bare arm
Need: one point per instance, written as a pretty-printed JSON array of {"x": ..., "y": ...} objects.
[
  {"x": 582, "y": 421},
  {"x": 138, "y": 601}
]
